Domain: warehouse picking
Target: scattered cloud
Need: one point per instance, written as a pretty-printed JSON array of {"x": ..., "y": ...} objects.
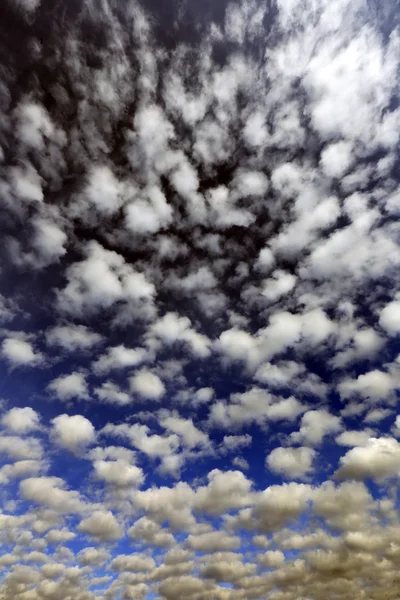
[{"x": 200, "y": 300}]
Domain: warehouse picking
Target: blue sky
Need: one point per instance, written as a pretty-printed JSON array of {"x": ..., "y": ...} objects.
[{"x": 199, "y": 300}]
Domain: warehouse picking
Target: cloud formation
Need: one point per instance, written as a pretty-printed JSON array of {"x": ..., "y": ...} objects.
[{"x": 200, "y": 308}]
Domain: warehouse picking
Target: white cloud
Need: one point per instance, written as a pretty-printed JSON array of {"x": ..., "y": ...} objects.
[
  {"x": 250, "y": 183},
  {"x": 233, "y": 442},
  {"x": 111, "y": 393},
  {"x": 147, "y": 531},
  {"x": 132, "y": 564},
  {"x": 49, "y": 491},
  {"x": 147, "y": 385},
  {"x": 354, "y": 438},
  {"x": 255, "y": 131},
  {"x": 240, "y": 463},
  {"x": 272, "y": 558},
  {"x": 222, "y": 219},
  {"x": 67, "y": 387},
  {"x": 336, "y": 159},
  {"x": 119, "y": 357},
  {"x": 254, "y": 406},
  {"x": 20, "y": 353},
  {"x": 101, "y": 525},
  {"x": 293, "y": 463},
  {"x": 172, "y": 328},
  {"x": 34, "y": 123},
  {"x": 315, "y": 425},
  {"x": 148, "y": 214},
  {"x": 213, "y": 541},
  {"x": 280, "y": 284},
  {"x": 72, "y": 432},
  {"x": 153, "y": 445},
  {"x": 93, "y": 556},
  {"x": 56, "y": 536},
  {"x": 377, "y": 414},
  {"x": 100, "y": 280},
  {"x": 118, "y": 473},
  {"x": 49, "y": 240},
  {"x": 390, "y": 317},
  {"x": 375, "y": 385},
  {"x": 19, "y": 470},
  {"x": 72, "y": 337},
  {"x": 103, "y": 190},
  {"x": 21, "y": 420},
  {"x": 190, "y": 435},
  {"x": 378, "y": 459},
  {"x": 21, "y": 448}
]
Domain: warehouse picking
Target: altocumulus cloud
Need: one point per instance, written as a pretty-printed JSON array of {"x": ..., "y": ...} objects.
[{"x": 200, "y": 300}]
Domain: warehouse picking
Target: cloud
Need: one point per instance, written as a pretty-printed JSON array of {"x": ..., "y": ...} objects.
[
  {"x": 72, "y": 337},
  {"x": 191, "y": 435},
  {"x": 315, "y": 425},
  {"x": 201, "y": 240},
  {"x": 101, "y": 280},
  {"x": 172, "y": 328},
  {"x": 67, "y": 387},
  {"x": 111, "y": 393},
  {"x": 148, "y": 532},
  {"x": 336, "y": 159},
  {"x": 55, "y": 536},
  {"x": 118, "y": 473},
  {"x": 375, "y": 385},
  {"x": 48, "y": 240},
  {"x": 21, "y": 420},
  {"x": 119, "y": 357},
  {"x": 378, "y": 459},
  {"x": 93, "y": 556},
  {"x": 132, "y": 563},
  {"x": 213, "y": 541},
  {"x": 19, "y": 448},
  {"x": 72, "y": 432},
  {"x": 234, "y": 442},
  {"x": 20, "y": 353},
  {"x": 49, "y": 491},
  {"x": 19, "y": 470},
  {"x": 390, "y": 317},
  {"x": 147, "y": 385},
  {"x": 101, "y": 525},
  {"x": 292, "y": 463}
]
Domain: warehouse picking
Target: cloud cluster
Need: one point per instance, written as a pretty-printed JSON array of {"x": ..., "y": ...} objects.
[{"x": 200, "y": 302}]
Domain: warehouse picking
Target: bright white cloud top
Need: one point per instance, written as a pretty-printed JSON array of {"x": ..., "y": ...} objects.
[{"x": 200, "y": 300}]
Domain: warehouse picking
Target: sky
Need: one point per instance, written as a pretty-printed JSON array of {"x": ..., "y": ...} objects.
[{"x": 199, "y": 300}]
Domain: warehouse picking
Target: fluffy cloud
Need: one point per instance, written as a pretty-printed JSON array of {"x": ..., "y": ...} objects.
[
  {"x": 67, "y": 387},
  {"x": 101, "y": 525},
  {"x": 204, "y": 238},
  {"x": 119, "y": 357},
  {"x": 118, "y": 473},
  {"x": 21, "y": 448},
  {"x": 72, "y": 432},
  {"x": 390, "y": 317},
  {"x": 102, "y": 279},
  {"x": 20, "y": 353},
  {"x": 49, "y": 491},
  {"x": 147, "y": 385},
  {"x": 213, "y": 541},
  {"x": 72, "y": 337},
  {"x": 293, "y": 463},
  {"x": 21, "y": 420},
  {"x": 378, "y": 459},
  {"x": 315, "y": 425}
]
